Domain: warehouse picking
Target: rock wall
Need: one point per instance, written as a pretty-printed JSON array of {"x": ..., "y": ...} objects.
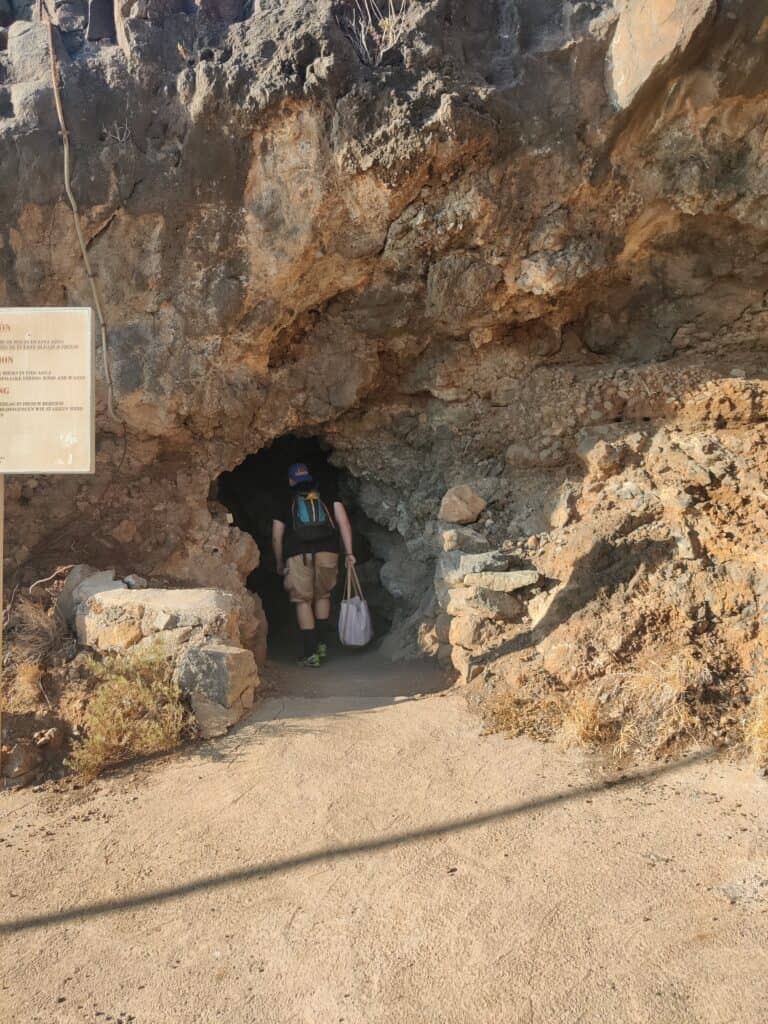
[{"x": 525, "y": 232}]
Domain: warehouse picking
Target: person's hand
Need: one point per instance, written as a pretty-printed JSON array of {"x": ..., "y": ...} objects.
[
  {"x": 349, "y": 561},
  {"x": 281, "y": 570}
]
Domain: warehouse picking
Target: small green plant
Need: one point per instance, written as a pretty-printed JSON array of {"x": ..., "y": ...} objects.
[{"x": 136, "y": 710}]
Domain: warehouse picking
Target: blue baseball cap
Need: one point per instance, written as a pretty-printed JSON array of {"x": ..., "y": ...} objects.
[{"x": 298, "y": 474}]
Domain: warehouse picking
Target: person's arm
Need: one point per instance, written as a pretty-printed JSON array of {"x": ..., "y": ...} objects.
[
  {"x": 278, "y": 533},
  {"x": 345, "y": 529}
]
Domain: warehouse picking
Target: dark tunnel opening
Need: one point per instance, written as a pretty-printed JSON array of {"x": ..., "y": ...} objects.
[{"x": 254, "y": 490}]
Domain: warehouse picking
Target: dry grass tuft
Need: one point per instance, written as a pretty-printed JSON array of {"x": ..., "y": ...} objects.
[
  {"x": 668, "y": 706},
  {"x": 518, "y": 714},
  {"x": 673, "y": 701},
  {"x": 136, "y": 710},
  {"x": 29, "y": 681},
  {"x": 375, "y": 26},
  {"x": 756, "y": 732},
  {"x": 584, "y": 723},
  {"x": 38, "y": 633}
]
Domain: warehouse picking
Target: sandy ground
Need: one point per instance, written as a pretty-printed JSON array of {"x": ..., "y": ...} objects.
[{"x": 357, "y": 853}]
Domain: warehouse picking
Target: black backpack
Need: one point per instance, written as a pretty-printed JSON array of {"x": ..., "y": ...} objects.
[{"x": 310, "y": 517}]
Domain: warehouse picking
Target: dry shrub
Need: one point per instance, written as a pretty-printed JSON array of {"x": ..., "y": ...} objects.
[
  {"x": 585, "y": 723},
  {"x": 37, "y": 634},
  {"x": 668, "y": 705},
  {"x": 29, "y": 681},
  {"x": 756, "y": 732},
  {"x": 136, "y": 710},
  {"x": 518, "y": 714},
  {"x": 672, "y": 701},
  {"x": 374, "y": 26}
]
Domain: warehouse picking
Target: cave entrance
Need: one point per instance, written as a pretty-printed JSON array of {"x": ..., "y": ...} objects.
[{"x": 254, "y": 489}]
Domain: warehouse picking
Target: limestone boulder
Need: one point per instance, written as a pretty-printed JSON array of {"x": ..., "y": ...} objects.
[
  {"x": 223, "y": 672},
  {"x": 453, "y": 566},
  {"x": 504, "y": 582},
  {"x": 65, "y": 604},
  {"x": 462, "y": 505},
  {"x": 212, "y": 719},
  {"x": 485, "y": 604},
  {"x": 117, "y": 618},
  {"x": 467, "y": 631},
  {"x": 221, "y": 681},
  {"x": 648, "y": 35},
  {"x": 82, "y": 584}
]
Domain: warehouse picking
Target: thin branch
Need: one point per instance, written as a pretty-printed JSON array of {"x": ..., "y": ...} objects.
[{"x": 76, "y": 212}]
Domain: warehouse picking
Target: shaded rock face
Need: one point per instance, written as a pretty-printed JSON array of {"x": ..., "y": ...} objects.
[{"x": 527, "y": 222}]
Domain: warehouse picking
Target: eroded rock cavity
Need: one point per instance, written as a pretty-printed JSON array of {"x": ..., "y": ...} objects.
[{"x": 522, "y": 250}]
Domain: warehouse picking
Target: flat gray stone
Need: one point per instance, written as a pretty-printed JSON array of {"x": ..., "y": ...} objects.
[
  {"x": 113, "y": 616},
  {"x": 453, "y": 566},
  {"x": 484, "y": 604},
  {"x": 505, "y": 582}
]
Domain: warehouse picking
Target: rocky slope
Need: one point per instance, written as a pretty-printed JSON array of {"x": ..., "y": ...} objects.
[{"x": 523, "y": 248}]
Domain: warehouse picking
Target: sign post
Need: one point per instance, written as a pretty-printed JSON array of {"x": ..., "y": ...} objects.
[{"x": 46, "y": 402}]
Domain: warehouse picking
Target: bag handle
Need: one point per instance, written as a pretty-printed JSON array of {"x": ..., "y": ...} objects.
[{"x": 352, "y": 585}]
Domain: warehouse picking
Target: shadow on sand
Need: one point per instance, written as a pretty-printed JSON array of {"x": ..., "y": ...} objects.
[{"x": 335, "y": 854}]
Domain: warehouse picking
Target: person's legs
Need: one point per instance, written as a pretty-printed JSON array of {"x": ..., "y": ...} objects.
[
  {"x": 323, "y": 626},
  {"x": 299, "y": 584},
  {"x": 304, "y": 615},
  {"x": 325, "y": 577},
  {"x": 306, "y": 622}
]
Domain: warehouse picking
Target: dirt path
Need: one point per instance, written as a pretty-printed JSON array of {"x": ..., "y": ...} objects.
[{"x": 348, "y": 856}]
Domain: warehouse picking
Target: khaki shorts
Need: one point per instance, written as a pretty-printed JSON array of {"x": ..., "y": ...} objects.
[{"x": 311, "y": 578}]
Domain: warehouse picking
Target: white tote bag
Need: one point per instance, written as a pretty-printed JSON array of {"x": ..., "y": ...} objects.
[{"x": 355, "y": 629}]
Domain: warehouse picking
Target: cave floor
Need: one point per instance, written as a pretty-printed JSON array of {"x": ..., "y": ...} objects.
[{"x": 357, "y": 851}]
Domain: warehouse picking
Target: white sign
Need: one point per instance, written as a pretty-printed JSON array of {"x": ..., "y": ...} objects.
[{"x": 46, "y": 391}]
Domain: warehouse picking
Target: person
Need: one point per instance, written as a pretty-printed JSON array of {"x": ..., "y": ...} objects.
[{"x": 310, "y": 528}]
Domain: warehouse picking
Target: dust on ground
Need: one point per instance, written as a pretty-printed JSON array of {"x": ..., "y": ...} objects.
[{"x": 356, "y": 852}]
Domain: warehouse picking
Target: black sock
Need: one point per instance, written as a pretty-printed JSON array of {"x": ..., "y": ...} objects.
[
  {"x": 309, "y": 640},
  {"x": 323, "y": 627}
]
